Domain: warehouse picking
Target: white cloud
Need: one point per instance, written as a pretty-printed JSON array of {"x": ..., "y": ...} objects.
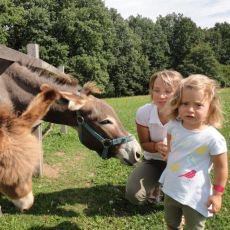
[{"x": 204, "y": 13}]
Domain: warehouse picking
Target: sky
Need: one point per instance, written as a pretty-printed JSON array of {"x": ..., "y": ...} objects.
[{"x": 205, "y": 13}]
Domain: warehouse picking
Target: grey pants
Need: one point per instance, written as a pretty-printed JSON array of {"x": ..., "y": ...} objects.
[
  {"x": 174, "y": 212},
  {"x": 143, "y": 179}
]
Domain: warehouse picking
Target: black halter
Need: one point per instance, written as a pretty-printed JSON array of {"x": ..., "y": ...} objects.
[{"x": 106, "y": 143}]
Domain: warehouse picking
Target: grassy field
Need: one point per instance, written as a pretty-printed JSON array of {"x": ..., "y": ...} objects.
[{"x": 81, "y": 191}]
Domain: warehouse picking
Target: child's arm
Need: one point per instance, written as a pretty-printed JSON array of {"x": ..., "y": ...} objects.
[
  {"x": 147, "y": 144},
  {"x": 220, "y": 166},
  {"x": 165, "y": 156}
]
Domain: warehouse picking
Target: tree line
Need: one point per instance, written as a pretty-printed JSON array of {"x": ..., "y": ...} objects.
[{"x": 95, "y": 43}]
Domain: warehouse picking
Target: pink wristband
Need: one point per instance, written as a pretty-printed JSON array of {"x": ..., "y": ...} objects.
[{"x": 218, "y": 188}]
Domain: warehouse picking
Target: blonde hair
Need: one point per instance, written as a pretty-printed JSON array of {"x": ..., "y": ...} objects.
[
  {"x": 209, "y": 87},
  {"x": 169, "y": 77}
]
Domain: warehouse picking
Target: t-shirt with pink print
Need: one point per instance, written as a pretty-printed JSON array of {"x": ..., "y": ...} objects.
[{"x": 186, "y": 178}]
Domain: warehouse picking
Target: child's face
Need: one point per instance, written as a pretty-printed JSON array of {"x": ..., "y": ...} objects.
[
  {"x": 162, "y": 92},
  {"x": 194, "y": 109}
]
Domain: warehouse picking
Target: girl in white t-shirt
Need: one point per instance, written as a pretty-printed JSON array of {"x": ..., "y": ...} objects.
[
  {"x": 195, "y": 146},
  {"x": 151, "y": 121}
]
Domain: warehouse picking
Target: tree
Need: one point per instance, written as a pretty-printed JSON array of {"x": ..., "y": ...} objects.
[
  {"x": 182, "y": 34},
  {"x": 219, "y": 39},
  {"x": 201, "y": 60},
  {"x": 35, "y": 27},
  {"x": 153, "y": 41},
  {"x": 130, "y": 72},
  {"x": 88, "y": 30},
  {"x": 10, "y": 16},
  {"x": 97, "y": 44},
  {"x": 224, "y": 73},
  {"x": 69, "y": 32}
]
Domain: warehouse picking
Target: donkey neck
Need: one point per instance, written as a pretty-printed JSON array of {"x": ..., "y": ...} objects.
[{"x": 20, "y": 85}]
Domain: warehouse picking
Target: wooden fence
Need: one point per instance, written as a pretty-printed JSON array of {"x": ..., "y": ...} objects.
[{"x": 32, "y": 56}]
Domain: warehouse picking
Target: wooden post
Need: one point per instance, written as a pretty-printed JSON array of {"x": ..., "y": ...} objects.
[
  {"x": 33, "y": 50},
  {"x": 63, "y": 127}
]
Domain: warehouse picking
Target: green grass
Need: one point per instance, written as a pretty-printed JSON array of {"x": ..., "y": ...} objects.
[{"x": 88, "y": 192}]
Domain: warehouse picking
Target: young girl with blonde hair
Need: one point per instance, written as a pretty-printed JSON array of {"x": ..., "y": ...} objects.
[{"x": 195, "y": 146}]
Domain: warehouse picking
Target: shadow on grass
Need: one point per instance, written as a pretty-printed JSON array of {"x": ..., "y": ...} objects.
[
  {"x": 103, "y": 200},
  {"x": 64, "y": 225}
]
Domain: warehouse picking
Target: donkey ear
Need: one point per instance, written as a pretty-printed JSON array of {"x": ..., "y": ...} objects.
[
  {"x": 90, "y": 88},
  {"x": 75, "y": 102},
  {"x": 76, "y": 106}
]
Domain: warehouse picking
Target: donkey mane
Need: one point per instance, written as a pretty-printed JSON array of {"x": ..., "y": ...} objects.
[
  {"x": 34, "y": 77},
  {"x": 61, "y": 78}
]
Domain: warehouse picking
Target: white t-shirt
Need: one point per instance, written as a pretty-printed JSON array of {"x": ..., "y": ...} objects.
[
  {"x": 147, "y": 116},
  {"x": 186, "y": 177}
]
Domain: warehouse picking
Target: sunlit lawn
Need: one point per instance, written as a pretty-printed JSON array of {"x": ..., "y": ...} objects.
[{"x": 82, "y": 191}]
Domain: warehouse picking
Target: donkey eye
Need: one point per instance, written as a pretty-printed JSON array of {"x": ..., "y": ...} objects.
[{"x": 105, "y": 122}]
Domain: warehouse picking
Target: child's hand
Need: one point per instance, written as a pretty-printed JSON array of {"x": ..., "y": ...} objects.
[
  {"x": 214, "y": 203},
  {"x": 162, "y": 148}
]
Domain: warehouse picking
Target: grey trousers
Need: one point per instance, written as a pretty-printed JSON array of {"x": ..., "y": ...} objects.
[{"x": 143, "y": 179}]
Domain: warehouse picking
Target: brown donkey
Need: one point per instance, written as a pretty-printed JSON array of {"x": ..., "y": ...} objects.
[
  {"x": 20, "y": 150},
  {"x": 19, "y": 85}
]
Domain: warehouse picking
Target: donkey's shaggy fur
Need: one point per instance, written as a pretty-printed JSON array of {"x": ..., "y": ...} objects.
[{"x": 19, "y": 149}]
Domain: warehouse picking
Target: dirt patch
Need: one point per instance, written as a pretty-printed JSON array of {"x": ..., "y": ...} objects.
[
  {"x": 50, "y": 171},
  {"x": 79, "y": 158},
  {"x": 53, "y": 171},
  {"x": 60, "y": 154}
]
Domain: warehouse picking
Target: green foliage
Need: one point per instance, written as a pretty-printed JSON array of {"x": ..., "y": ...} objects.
[
  {"x": 182, "y": 34},
  {"x": 201, "y": 60},
  {"x": 95, "y": 43},
  {"x": 10, "y": 16},
  {"x": 92, "y": 69},
  {"x": 224, "y": 71},
  {"x": 153, "y": 41},
  {"x": 129, "y": 72},
  {"x": 219, "y": 39},
  {"x": 89, "y": 30}
]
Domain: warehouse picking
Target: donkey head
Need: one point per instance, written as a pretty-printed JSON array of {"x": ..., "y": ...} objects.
[
  {"x": 20, "y": 150},
  {"x": 100, "y": 129}
]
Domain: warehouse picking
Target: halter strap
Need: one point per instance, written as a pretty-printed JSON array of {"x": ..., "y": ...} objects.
[{"x": 106, "y": 142}]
